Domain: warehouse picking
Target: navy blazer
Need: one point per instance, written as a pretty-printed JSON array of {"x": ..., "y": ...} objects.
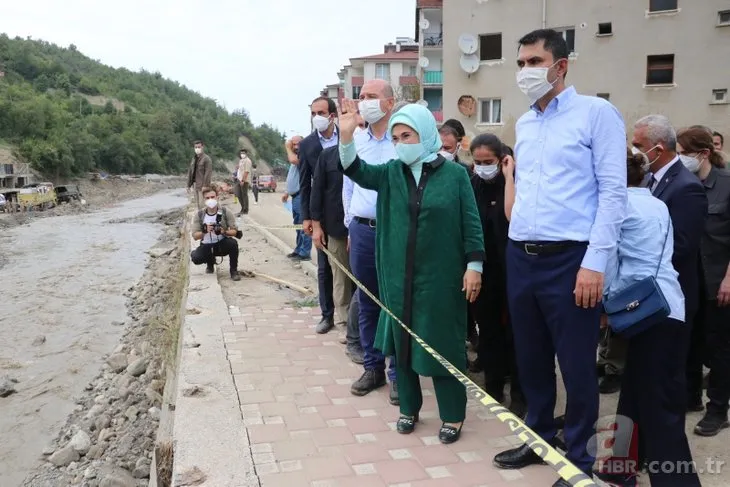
[
  {"x": 309, "y": 150},
  {"x": 686, "y": 200}
]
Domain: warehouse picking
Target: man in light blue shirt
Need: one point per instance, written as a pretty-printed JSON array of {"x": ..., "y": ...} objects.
[
  {"x": 570, "y": 202},
  {"x": 303, "y": 248},
  {"x": 375, "y": 146}
]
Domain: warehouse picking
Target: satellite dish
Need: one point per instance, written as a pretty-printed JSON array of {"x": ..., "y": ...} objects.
[
  {"x": 423, "y": 103},
  {"x": 423, "y": 62},
  {"x": 468, "y": 43},
  {"x": 469, "y": 63},
  {"x": 424, "y": 24}
]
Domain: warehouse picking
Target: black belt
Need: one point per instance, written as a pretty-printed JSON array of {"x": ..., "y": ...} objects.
[
  {"x": 364, "y": 221},
  {"x": 294, "y": 195},
  {"x": 546, "y": 248}
]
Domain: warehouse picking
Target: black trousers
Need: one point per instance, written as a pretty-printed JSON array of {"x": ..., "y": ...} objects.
[
  {"x": 717, "y": 323},
  {"x": 653, "y": 396},
  {"x": 325, "y": 285},
  {"x": 206, "y": 253},
  {"x": 496, "y": 347}
]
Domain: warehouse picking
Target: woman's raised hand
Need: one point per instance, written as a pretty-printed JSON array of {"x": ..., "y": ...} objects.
[{"x": 349, "y": 119}]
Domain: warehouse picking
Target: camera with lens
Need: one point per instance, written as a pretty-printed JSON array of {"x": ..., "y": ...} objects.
[{"x": 217, "y": 229}]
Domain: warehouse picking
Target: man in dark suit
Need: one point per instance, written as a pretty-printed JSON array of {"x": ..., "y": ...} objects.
[
  {"x": 324, "y": 113},
  {"x": 685, "y": 197}
]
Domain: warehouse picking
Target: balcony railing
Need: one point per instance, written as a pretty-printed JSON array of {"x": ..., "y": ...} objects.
[{"x": 433, "y": 77}]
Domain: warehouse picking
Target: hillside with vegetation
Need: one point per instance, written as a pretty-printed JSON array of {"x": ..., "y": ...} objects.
[{"x": 67, "y": 114}]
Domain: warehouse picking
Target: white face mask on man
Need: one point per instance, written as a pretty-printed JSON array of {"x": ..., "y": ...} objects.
[
  {"x": 211, "y": 203},
  {"x": 198, "y": 150},
  {"x": 320, "y": 123},
  {"x": 370, "y": 110},
  {"x": 533, "y": 81},
  {"x": 447, "y": 155},
  {"x": 691, "y": 162}
]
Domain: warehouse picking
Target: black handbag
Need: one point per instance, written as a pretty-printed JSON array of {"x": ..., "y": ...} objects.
[{"x": 638, "y": 306}]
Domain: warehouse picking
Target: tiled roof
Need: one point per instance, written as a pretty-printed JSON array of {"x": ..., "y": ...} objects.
[
  {"x": 430, "y": 3},
  {"x": 392, "y": 56}
]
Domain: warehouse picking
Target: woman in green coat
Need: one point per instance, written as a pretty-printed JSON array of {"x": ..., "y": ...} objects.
[{"x": 429, "y": 255}]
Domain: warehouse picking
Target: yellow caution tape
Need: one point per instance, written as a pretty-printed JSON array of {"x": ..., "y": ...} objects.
[{"x": 569, "y": 472}]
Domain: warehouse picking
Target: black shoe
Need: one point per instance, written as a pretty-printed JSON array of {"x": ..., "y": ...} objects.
[
  {"x": 517, "y": 458},
  {"x": 695, "y": 406},
  {"x": 394, "y": 399},
  {"x": 562, "y": 483},
  {"x": 325, "y": 325},
  {"x": 300, "y": 258},
  {"x": 711, "y": 424},
  {"x": 609, "y": 384},
  {"x": 406, "y": 424},
  {"x": 449, "y": 434},
  {"x": 560, "y": 422},
  {"x": 235, "y": 276},
  {"x": 356, "y": 356},
  {"x": 209, "y": 269},
  {"x": 368, "y": 382},
  {"x": 292, "y": 255},
  {"x": 616, "y": 480}
]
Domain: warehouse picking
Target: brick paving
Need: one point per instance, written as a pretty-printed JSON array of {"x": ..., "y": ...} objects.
[{"x": 306, "y": 429}]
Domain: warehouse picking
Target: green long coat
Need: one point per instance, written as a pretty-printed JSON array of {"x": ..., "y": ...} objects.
[{"x": 426, "y": 235}]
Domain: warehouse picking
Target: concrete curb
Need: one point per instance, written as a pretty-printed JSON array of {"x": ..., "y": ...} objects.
[
  {"x": 210, "y": 437},
  {"x": 308, "y": 268}
]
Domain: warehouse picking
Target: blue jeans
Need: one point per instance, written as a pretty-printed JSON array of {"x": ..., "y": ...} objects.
[
  {"x": 304, "y": 241},
  {"x": 362, "y": 262}
]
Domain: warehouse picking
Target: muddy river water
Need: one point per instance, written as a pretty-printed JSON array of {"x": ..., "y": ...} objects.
[{"x": 62, "y": 281}]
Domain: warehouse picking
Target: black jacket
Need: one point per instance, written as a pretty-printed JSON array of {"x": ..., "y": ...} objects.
[
  {"x": 715, "y": 247},
  {"x": 326, "y": 200},
  {"x": 309, "y": 150},
  {"x": 685, "y": 197},
  {"x": 490, "y": 203}
]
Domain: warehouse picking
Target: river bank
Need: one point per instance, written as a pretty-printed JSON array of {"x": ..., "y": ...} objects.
[{"x": 85, "y": 294}]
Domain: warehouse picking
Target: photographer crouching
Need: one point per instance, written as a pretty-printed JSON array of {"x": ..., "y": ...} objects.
[{"x": 215, "y": 227}]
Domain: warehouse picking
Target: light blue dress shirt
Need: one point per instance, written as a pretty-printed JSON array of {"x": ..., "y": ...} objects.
[
  {"x": 331, "y": 142},
  {"x": 639, "y": 250},
  {"x": 571, "y": 175},
  {"x": 292, "y": 179},
  {"x": 348, "y": 154},
  {"x": 356, "y": 200}
]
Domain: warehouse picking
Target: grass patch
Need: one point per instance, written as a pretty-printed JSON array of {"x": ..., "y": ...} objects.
[
  {"x": 165, "y": 457},
  {"x": 308, "y": 302}
]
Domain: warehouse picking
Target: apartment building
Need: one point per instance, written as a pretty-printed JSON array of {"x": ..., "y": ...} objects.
[
  {"x": 645, "y": 56},
  {"x": 397, "y": 64}
]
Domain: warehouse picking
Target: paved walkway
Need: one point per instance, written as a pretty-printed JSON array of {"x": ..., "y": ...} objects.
[{"x": 306, "y": 429}]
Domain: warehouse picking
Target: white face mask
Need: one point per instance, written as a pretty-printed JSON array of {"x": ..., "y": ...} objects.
[
  {"x": 534, "y": 83},
  {"x": 320, "y": 123},
  {"x": 690, "y": 162},
  {"x": 447, "y": 155},
  {"x": 211, "y": 203},
  {"x": 486, "y": 172},
  {"x": 370, "y": 110},
  {"x": 198, "y": 150},
  {"x": 647, "y": 163}
]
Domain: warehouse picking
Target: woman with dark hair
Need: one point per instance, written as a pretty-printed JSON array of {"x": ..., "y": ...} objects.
[
  {"x": 652, "y": 391},
  {"x": 710, "y": 332},
  {"x": 495, "y": 348}
]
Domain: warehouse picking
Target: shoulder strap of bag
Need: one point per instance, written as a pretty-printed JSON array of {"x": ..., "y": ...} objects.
[{"x": 661, "y": 256}]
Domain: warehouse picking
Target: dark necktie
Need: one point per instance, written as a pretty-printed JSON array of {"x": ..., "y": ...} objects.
[{"x": 652, "y": 184}]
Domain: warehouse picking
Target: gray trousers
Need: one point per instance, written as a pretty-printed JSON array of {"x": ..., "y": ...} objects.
[
  {"x": 612, "y": 352},
  {"x": 353, "y": 325}
]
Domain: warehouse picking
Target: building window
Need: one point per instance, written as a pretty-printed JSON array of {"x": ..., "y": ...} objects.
[
  {"x": 382, "y": 71},
  {"x": 605, "y": 96},
  {"x": 723, "y": 17},
  {"x": 569, "y": 36},
  {"x": 662, "y": 5},
  {"x": 490, "y": 111},
  {"x": 490, "y": 47},
  {"x": 411, "y": 71},
  {"x": 356, "y": 92},
  {"x": 719, "y": 96},
  {"x": 605, "y": 29},
  {"x": 660, "y": 69}
]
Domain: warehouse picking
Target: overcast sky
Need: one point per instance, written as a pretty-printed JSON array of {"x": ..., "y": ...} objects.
[{"x": 271, "y": 57}]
